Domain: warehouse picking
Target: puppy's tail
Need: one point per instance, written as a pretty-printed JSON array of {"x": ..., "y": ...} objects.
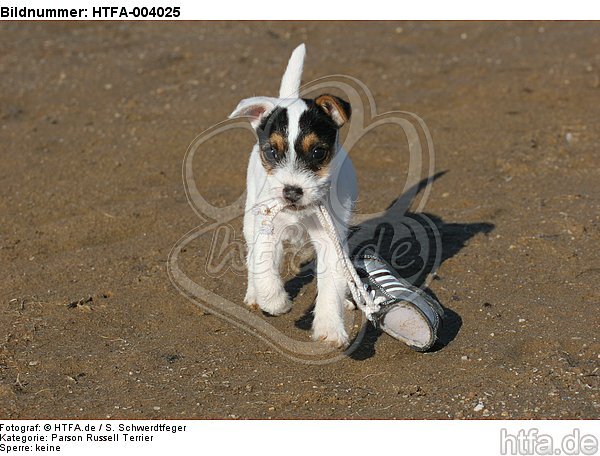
[{"x": 290, "y": 83}]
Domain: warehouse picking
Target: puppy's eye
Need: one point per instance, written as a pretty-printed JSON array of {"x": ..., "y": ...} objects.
[
  {"x": 270, "y": 153},
  {"x": 318, "y": 154}
]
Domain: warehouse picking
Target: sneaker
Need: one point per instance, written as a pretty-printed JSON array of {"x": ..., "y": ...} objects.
[{"x": 405, "y": 312}]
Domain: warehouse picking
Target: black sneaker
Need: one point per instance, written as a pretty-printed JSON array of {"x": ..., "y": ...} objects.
[{"x": 405, "y": 312}]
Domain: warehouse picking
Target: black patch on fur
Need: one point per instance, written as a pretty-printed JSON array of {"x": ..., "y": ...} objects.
[
  {"x": 276, "y": 122},
  {"x": 314, "y": 120}
]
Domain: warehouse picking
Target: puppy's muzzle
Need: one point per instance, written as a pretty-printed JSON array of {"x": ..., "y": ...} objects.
[{"x": 292, "y": 193}]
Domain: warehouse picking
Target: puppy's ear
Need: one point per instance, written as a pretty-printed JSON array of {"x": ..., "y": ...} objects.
[
  {"x": 254, "y": 108},
  {"x": 336, "y": 108}
]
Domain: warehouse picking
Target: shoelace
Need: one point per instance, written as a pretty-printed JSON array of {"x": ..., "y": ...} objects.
[{"x": 363, "y": 298}]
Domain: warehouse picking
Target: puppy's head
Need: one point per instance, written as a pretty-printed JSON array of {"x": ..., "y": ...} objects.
[{"x": 297, "y": 141}]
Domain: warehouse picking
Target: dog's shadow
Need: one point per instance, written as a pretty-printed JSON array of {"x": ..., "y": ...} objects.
[{"x": 414, "y": 244}]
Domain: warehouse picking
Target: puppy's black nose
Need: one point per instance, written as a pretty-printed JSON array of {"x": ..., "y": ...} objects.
[{"x": 292, "y": 193}]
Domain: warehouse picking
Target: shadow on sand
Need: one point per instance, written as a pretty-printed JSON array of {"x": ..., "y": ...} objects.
[{"x": 415, "y": 245}]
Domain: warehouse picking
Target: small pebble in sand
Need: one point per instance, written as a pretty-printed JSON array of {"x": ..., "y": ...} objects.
[
  {"x": 478, "y": 407},
  {"x": 464, "y": 358},
  {"x": 156, "y": 407},
  {"x": 569, "y": 137}
]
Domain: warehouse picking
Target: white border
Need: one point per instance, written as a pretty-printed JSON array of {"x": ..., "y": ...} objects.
[
  {"x": 348, "y": 10},
  {"x": 302, "y": 438}
]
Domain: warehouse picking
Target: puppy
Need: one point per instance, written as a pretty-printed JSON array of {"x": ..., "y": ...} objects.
[{"x": 298, "y": 161}]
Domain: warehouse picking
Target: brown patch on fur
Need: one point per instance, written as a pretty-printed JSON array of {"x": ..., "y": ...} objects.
[
  {"x": 323, "y": 170},
  {"x": 266, "y": 165},
  {"x": 308, "y": 142},
  {"x": 304, "y": 148},
  {"x": 335, "y": 108},
  {"x": 278, "y": 141}
]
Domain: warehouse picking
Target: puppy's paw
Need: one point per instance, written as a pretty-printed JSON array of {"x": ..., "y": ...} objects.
[
  {"x": 332, "y": 333},
  {"x": 252, "y": 306},
  {"x": 250, "y": 300},
  {"x": 276, "y": 304}
]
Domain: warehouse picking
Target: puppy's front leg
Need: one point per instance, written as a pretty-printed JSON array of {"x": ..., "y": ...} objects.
[
  {"x": 268, "y": 286},
  {"x": 328, "y": 324},
  {"x": 249, "y": 234}
]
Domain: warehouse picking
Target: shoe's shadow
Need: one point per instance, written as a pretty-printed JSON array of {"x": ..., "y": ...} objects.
[{"x": 415, "y": 245}]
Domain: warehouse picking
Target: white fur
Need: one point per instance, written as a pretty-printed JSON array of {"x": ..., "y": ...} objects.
[
  {"x": 295, "y": 108},
  {"x": 337, "y": 190},
  {"x": 255, "y": 108},
  {"x": 290, "y": 83}
]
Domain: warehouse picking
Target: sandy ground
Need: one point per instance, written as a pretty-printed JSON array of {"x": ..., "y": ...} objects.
[{"x": 95, "y": 120}]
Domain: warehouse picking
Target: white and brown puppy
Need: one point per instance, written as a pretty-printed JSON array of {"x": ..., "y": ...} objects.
[{"x": 298, "y": 162}]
